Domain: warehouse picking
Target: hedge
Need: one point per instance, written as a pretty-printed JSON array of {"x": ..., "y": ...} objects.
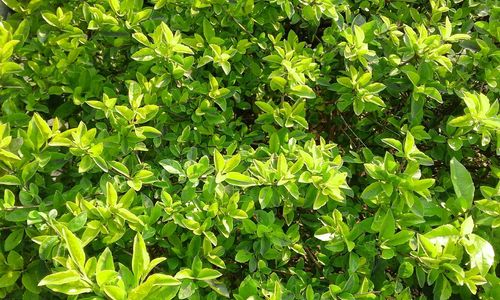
[{"x": 249, "y": 149}]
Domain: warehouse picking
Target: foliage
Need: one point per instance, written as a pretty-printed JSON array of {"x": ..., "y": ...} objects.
[{"x": 249, "y": 149}]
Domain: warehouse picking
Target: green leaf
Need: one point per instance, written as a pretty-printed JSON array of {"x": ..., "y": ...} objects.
[
  {"x": 232, "y": 163},
  {"x": 115, "y": 292},
  {"x": 414, "y": 77},
  {"x": 140, "y": 258},
  {"x": 320, "y": 201},
  {"x": 467, "y": 226},
  {"x": 393, "y": 143},
  {"x": 9, "y": 199},
  {"x": 101, "y": 163},
  {"x": 278, "y": 83},
  {"x": 345, "y": 81},
  {"x": 409, "y": 144},
  {"x": 405, "y": 270},
  {"x": 9, "y": 67},
  {"x": 360, "y": 35},
  {"x": 266, "y": 107},
  {"x": 42, "y": 126},
  {"x": 433, "y": 93},
  {"x": 9, "y": 180},
  {"x": 482, "y": 255},
  {"x": 442, "y": 288},
  {"x": 71, "y": 288},
  {"x": 185, "y": 50},
  {"x": 197, "y": 265},
  {"x": 462, "y": 183},
  {"x": 60, "y": 278},
  {"x": 277, "y": 292},
  {"x": 141, "y": 38},
  {"x": 400, "y": 238},
  {"x": 30, "y": 282},
  {"x": 120, "y": 168},
  {"x": 303, "y": 91},
  {"x": 208, "y": 274},
  {"x": 51, "y": 19},
  {"x": 375, "y": 88},
  {"x": 208, "y": 30},
  {"x": 160, "y": 3},
  {"x": 75, "y": 248},
  {"x": 106, "y": 277},
  {"x": 9, "y": 278},
  {"x": 324, "y": 234},
  {"x": 238, "y": 179},
  {"x": 78, "y": 222},
  {"x": 184, "y": 274},
  {"x": 265, "y": 197},
  {"x": 172, "y": 166},
  {"x": 163, "y": 280},
  {"x": 129, "y": 216},
  {"x": 115, "y": 5},
  {"x": 219, "y": 161},
  {"x": 105, "y": 261},
  {"x": 15, "y": 261},
  {"x": 13, "y": 239},
  {"x": 243, "y": 256},
  {"x": 248, "y": 7},
  {"x": 144, "y": 54},
  {"x": 388, "y": 226},
  {"x": 111, "y": 195}
]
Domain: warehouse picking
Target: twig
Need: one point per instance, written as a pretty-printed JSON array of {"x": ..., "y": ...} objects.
[
  {"x": 368, "y": 293},
  {"x": 11, "y": 227},
  {"x": 20, "y": 207},
  {"x": 350, "y": 129},
  {"x": 349, "y": 137},
  {"x": 242, "y": 27},
  {"x": 313, "y": 258},
  {"x": 385, "y": 127}
]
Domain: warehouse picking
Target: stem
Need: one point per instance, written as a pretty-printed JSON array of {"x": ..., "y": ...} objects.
[
  {"x": 20, "y": 207},
  {"x": 11, "y": 227},
  {"x": 313, "y": 258},
  {"x": 350, "y": 129}
]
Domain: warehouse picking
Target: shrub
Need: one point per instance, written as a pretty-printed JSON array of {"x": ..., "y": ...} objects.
[{"x": 249, "y": 149}]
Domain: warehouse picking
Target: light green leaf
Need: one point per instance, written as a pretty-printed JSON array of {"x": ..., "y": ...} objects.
[
  {"x": 140, "y": 257},
  {"x": 105, "y": 261},
  {"x": 238, "y": 179},
  {"x": 482, "y": 254},
  {"x": 71, "y": 288},
  {"x": 9, "y": 180},
  {"x": 42, "y": 126},
  {"x": 60, "y": 278},
  {"x": 462, "y": 182},
  {"x": 218, "y": 161},
  {"x": 467, "y": 226},
  {"x": 111, "y": 195},
  {"x": 303, "y": 91},
  {"x": 75, "y": 248},
  {"x": 208, "y": 274},
  {"x": 172, "y": 166},
  {"x": 144, "y": 54}
]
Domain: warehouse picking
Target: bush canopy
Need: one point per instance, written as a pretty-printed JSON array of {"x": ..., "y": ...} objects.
[{"x": 249, "y": 149}]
